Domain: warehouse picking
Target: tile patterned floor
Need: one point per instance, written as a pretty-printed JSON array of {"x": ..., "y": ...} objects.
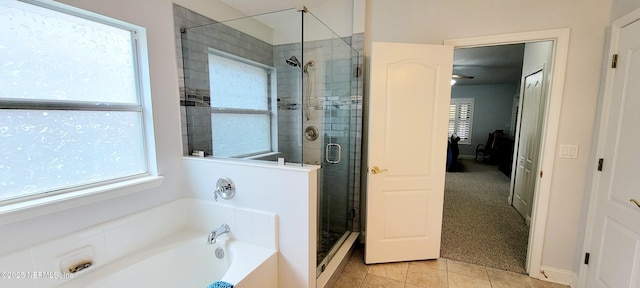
[{"x": 441, "y": 273}]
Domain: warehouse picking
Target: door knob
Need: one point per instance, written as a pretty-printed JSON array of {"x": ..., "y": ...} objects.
[
  {"x": 376, "y": 170},
  {"x": 634, "y": 201}
]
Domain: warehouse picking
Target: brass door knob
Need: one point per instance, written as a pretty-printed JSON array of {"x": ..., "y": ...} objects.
[
  {"x": 634, "y": 201},
  {"x": 376, "y": 170}
]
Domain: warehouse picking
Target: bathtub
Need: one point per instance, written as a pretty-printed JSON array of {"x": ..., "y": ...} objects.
[{"x": 185, "y": 259}]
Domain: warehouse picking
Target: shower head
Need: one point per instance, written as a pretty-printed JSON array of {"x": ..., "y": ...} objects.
[{"x": 293, "y": 61}]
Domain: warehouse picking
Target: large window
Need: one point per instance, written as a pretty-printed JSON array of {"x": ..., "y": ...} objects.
[
  {"x": 71, "y": 113},
  {"x": 241, "y": 108},
  {"x": 461, "y": 118}
]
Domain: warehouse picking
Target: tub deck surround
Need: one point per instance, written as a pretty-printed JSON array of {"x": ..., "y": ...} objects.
[
  {"x": 119, "y": 239},
  {"x": 184, "y": 259}
]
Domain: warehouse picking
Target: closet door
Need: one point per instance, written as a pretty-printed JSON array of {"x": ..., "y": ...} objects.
[{"x": 615, "y": 240}]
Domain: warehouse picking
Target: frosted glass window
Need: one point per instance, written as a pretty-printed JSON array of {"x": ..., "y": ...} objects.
[
  {"x": 241, "y": 117},
  {"x": 240, "y": 134},
  {"x": 50, "y": 55},
  {"x": 45, "y": 150},
  {"x": 57, "y": 70},
  {"x": 236, "y": 84}
]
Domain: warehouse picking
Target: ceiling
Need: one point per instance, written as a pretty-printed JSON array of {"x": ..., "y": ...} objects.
[
  {"x": 489, "y": 65},
  {"x": 255, "y": 7}
]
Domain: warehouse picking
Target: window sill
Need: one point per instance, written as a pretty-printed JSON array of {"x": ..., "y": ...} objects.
[
  {"x": 37, "y": 207},
  {"x": 263, "y": 155}
]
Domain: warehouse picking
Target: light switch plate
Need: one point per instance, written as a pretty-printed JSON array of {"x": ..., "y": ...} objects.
[{"x": 569, "y": 151}]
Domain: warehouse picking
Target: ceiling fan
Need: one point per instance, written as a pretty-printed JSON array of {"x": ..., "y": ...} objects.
[
  {"x": 458, "y": 76},
  {"x": 455, "y": 77}
]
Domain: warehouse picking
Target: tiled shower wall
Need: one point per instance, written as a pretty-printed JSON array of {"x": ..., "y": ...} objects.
[{"x": 340, "y": 102}]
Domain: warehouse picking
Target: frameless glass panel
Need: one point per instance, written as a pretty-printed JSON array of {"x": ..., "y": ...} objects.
[
  {"x": 237, "y": 135},
  {"x": 269, "y": 40},
  {"x": 328, "y": 92},
  {"x": 50, "y": 55},
  {"x": 46, "y": 150}
]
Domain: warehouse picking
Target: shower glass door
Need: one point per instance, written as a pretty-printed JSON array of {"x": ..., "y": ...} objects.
[{"x": 328, "y": 78}]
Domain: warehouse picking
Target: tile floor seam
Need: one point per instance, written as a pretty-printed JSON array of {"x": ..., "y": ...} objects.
[{"x": 494, "y": 282}]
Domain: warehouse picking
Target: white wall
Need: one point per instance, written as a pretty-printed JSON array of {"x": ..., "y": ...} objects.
[
  {"x": 288, "y": 191},
  {"x": 432, "y": 22}
]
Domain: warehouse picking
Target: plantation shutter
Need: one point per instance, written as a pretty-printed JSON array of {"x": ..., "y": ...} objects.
[{"x": 461, "y": 118}]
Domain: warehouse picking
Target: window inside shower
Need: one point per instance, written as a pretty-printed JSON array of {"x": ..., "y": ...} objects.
[{"x": 241, "y": 110}]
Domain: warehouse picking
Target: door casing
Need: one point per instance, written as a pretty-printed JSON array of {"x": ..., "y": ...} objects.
[{"x": 550, "y": 128}]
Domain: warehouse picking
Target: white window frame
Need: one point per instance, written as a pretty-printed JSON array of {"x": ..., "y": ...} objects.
[
  {"x": 271, "y": 111},
  {"x": 458, "y": 120},
  {"x": 52, "y": 201}
]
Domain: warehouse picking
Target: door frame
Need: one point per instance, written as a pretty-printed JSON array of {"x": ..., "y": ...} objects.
[
  {"x": 550, "y": 128},
  {"x": 601, "y": 122}
]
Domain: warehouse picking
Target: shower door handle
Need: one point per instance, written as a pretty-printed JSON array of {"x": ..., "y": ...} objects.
[{"x": 327, "y": 153}]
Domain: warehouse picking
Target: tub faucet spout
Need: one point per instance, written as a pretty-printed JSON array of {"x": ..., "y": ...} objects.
[{"x": 213, "y": 236}]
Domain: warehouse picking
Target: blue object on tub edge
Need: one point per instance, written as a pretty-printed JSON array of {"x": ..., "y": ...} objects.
[{"x": 220, "y": 284}]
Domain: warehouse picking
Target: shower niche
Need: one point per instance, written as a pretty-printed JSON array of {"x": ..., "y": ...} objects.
[{"x": 272, "y": 86}]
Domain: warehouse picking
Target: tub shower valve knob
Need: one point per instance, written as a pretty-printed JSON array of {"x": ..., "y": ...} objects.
[{"x": 224, "y": 188}]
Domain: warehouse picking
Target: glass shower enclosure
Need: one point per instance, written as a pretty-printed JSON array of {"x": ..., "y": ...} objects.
[{"x": 280, "y": 85}]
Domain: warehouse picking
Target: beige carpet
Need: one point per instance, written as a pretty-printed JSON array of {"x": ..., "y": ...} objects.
[{"x": 479, "y": 226}]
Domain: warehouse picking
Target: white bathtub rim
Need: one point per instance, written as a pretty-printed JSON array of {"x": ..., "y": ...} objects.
[
  {"x": 245, "y": 257},
  {"x": 234, "y": 274},
  {"x": 98, "y": 271}
]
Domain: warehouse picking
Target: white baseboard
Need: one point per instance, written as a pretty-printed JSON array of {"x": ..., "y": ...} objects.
[{"x": 556, "y": 275}]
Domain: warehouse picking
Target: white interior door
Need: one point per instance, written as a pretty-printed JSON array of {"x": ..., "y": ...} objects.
[
  {"x": 615, "y": 240},
  {"x": 410, "y": 88},
  {"x": 528, "y": 144}
]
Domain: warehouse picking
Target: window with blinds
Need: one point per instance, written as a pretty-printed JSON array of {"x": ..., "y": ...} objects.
[
  {"x": 461, "y": 119},
  {"x": 242, "y": 115}
]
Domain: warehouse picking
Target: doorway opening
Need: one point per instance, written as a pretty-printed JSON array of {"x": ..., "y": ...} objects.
[{"x": 492, "y": 173}]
